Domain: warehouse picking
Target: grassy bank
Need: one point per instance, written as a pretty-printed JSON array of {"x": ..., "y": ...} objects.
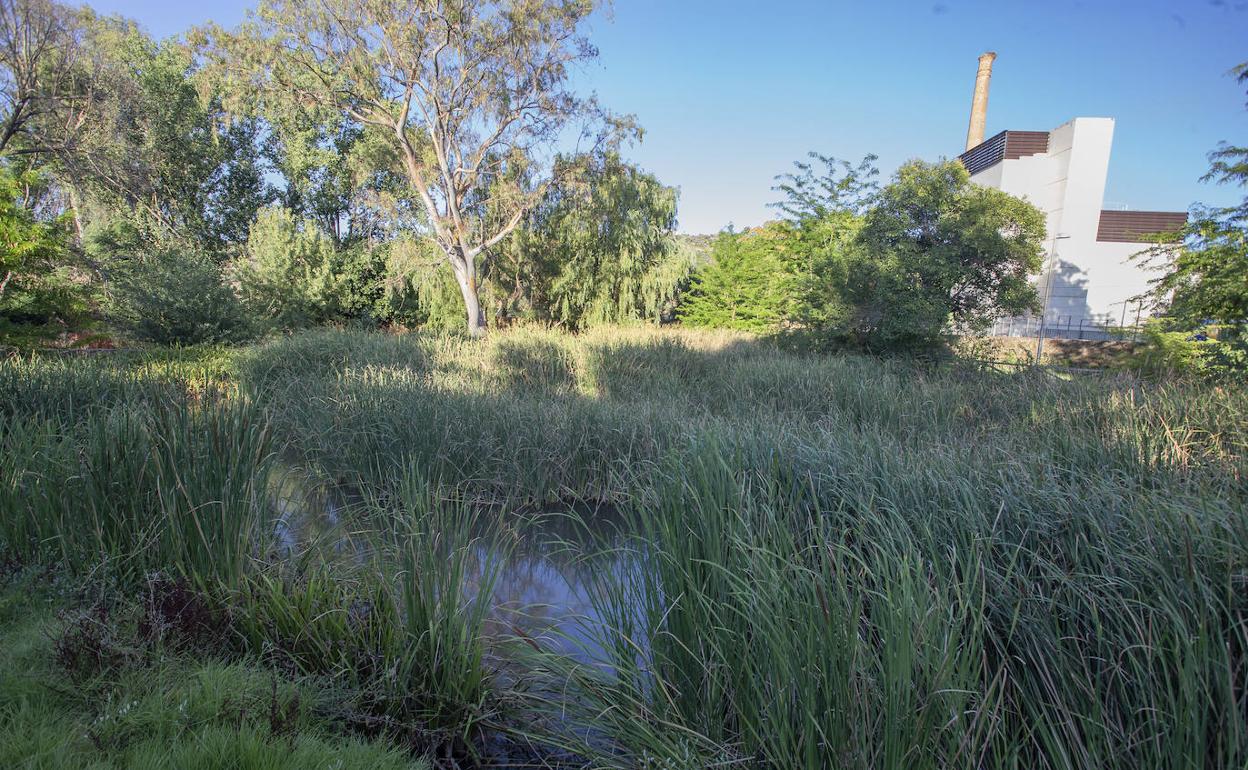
[
  {"x": 75, "y": 693},
  {"x": 833, "y": 561}
]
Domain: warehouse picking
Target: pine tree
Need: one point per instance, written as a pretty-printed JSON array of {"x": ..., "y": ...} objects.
[{"x": 749, "y": 284}]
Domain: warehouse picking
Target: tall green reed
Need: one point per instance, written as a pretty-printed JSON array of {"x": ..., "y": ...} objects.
[
  {"x": 403, "y": 632},
  {"x": 841, "y": 561},
  {"x": 776, "y": 621},
  {"x": 150, "y": 486},
  {"x": 754, "y": 633}
]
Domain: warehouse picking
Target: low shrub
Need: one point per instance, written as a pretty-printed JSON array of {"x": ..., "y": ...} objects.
[
  {"x": 1212, "y": 352},
  {"x": 174, "y": 297}
]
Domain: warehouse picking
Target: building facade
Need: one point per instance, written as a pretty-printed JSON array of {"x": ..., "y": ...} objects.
[{"x": 1089, "y": 279}]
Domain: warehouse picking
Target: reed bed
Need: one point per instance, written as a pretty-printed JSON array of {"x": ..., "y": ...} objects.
[
  {"x": 767, "y": 629},
  {"x": 132, "y": 489},
  {"x": 837, "y": 561}
]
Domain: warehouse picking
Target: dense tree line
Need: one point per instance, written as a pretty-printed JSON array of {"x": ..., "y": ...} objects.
[
  {"x": 882, "y": 269},
  {"x": 382, "y": 163},
  {"x": 204, "y": 189},
  {"x": 406, "y": 164}
]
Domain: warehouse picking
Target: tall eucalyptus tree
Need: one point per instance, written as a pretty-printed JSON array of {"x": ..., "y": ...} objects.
[{"x": 473, "y": 96}]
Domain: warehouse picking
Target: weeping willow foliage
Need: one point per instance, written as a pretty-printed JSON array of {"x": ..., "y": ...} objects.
[
  {"x": 599, "y": 249},
  {"x": 419, "y": 287}
]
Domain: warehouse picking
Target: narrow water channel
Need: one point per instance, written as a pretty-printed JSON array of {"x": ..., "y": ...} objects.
[{"x": 547, "y": 561}]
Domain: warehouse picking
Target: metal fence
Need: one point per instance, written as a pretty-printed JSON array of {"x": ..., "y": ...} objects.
[{"x": 1064, "y": 328}]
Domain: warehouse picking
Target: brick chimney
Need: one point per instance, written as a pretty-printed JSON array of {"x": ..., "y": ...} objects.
[{"x": 979, "y": 104}]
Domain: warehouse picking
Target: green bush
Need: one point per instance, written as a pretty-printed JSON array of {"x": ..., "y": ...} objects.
[
  {"x": 939, "y": 254},
  {"x": 933, "y": 254},
  {"x": 289, "y": 276},
  {"x": 751, "y": 282},
  {"x": 1211, "y": 351},
  {"x": 173, "y": 297}
]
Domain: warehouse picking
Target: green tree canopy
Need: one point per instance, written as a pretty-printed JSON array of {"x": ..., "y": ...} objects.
[
  {"x": 751, "y": 283},
  {"x": 288, "y": 274},
  {"x": 470, "y": 95},
  {"x": 938, "y": 252},
  {"x": 119, "y": 122},
  {"x": 837, "y": 188},
  {"x": 930, "y": 252},
  {"x": 39, "y": 295},
  {"x": 789, "y": 274},
  {"x": 1205, "y": 277},
  {"x": 598, "y": 249}
]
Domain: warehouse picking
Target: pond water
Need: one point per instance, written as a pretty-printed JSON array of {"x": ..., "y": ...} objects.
[{"x": 545, "y": 573}]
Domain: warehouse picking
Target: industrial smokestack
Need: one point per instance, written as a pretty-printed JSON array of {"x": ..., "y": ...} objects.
[{"x": 979, "y": 104}]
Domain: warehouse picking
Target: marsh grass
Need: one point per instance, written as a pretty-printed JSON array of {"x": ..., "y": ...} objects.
[
  {"x": 769, "y": 629},
  {"x": 596, "y": 414},
  {"x": 135, "y": 488},
  {"x": 173, "y": 711},
  {"x": 757, "y": 632},
  {"x": 836, "y": 561},
  {"x": 401, "y": 632}
]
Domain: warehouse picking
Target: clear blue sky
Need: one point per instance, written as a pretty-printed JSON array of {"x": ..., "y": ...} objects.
[{"x": 730, "y": 92}]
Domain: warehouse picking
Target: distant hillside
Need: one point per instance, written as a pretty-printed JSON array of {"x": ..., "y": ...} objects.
[{"x": 698, "y": 246}]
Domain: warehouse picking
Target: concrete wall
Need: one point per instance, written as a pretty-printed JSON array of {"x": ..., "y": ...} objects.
[{"x": 1084, "y": 279}]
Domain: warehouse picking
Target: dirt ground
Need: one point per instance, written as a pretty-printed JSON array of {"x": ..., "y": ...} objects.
[{"x": 1089, "y": 354}]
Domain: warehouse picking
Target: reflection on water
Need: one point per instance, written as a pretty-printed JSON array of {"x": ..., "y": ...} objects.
[
  {"x": 307, "y": 512},
  {"x": 544, "y": 584},
  {"x": 544, "y": 588}
]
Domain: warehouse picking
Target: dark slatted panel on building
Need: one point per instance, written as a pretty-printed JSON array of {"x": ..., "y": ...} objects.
[
  {"x": 1020, "y": 144},
  {"x": 1007, "y": 145},
  {"x": 984, "y": 155},
  {"x": 1137, "y": 226}
]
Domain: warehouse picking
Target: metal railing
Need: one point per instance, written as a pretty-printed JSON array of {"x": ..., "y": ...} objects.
[{"x": 1064, "y": 328}]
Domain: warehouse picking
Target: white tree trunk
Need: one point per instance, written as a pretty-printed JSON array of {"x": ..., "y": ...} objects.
[
  {"x": 466, "y": 276},
  {"x": 472, "y": 304}
]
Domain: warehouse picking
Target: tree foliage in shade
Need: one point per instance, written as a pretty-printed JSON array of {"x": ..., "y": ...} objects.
[
  {"x": 39, "y": 295},
  {"x": 470, "y": 95},
  {"x": 151, "y": 151},
  {"x": 47, "y": 81},
  {"x": 939, "y": 253},
  {"x": 174, "y": 297},
  {"x": 598, "y": 249},
  {"x": 117, "y": 120},
  {"x": 340, "y": 174}
]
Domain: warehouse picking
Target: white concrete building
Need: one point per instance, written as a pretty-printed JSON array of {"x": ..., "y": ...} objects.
[
  {"x": 1089, "y": 275},
  {"x": 1089, "y": 278}
]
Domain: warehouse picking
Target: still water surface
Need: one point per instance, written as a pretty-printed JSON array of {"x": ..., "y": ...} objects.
[{"x": 547, "y": 560}]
